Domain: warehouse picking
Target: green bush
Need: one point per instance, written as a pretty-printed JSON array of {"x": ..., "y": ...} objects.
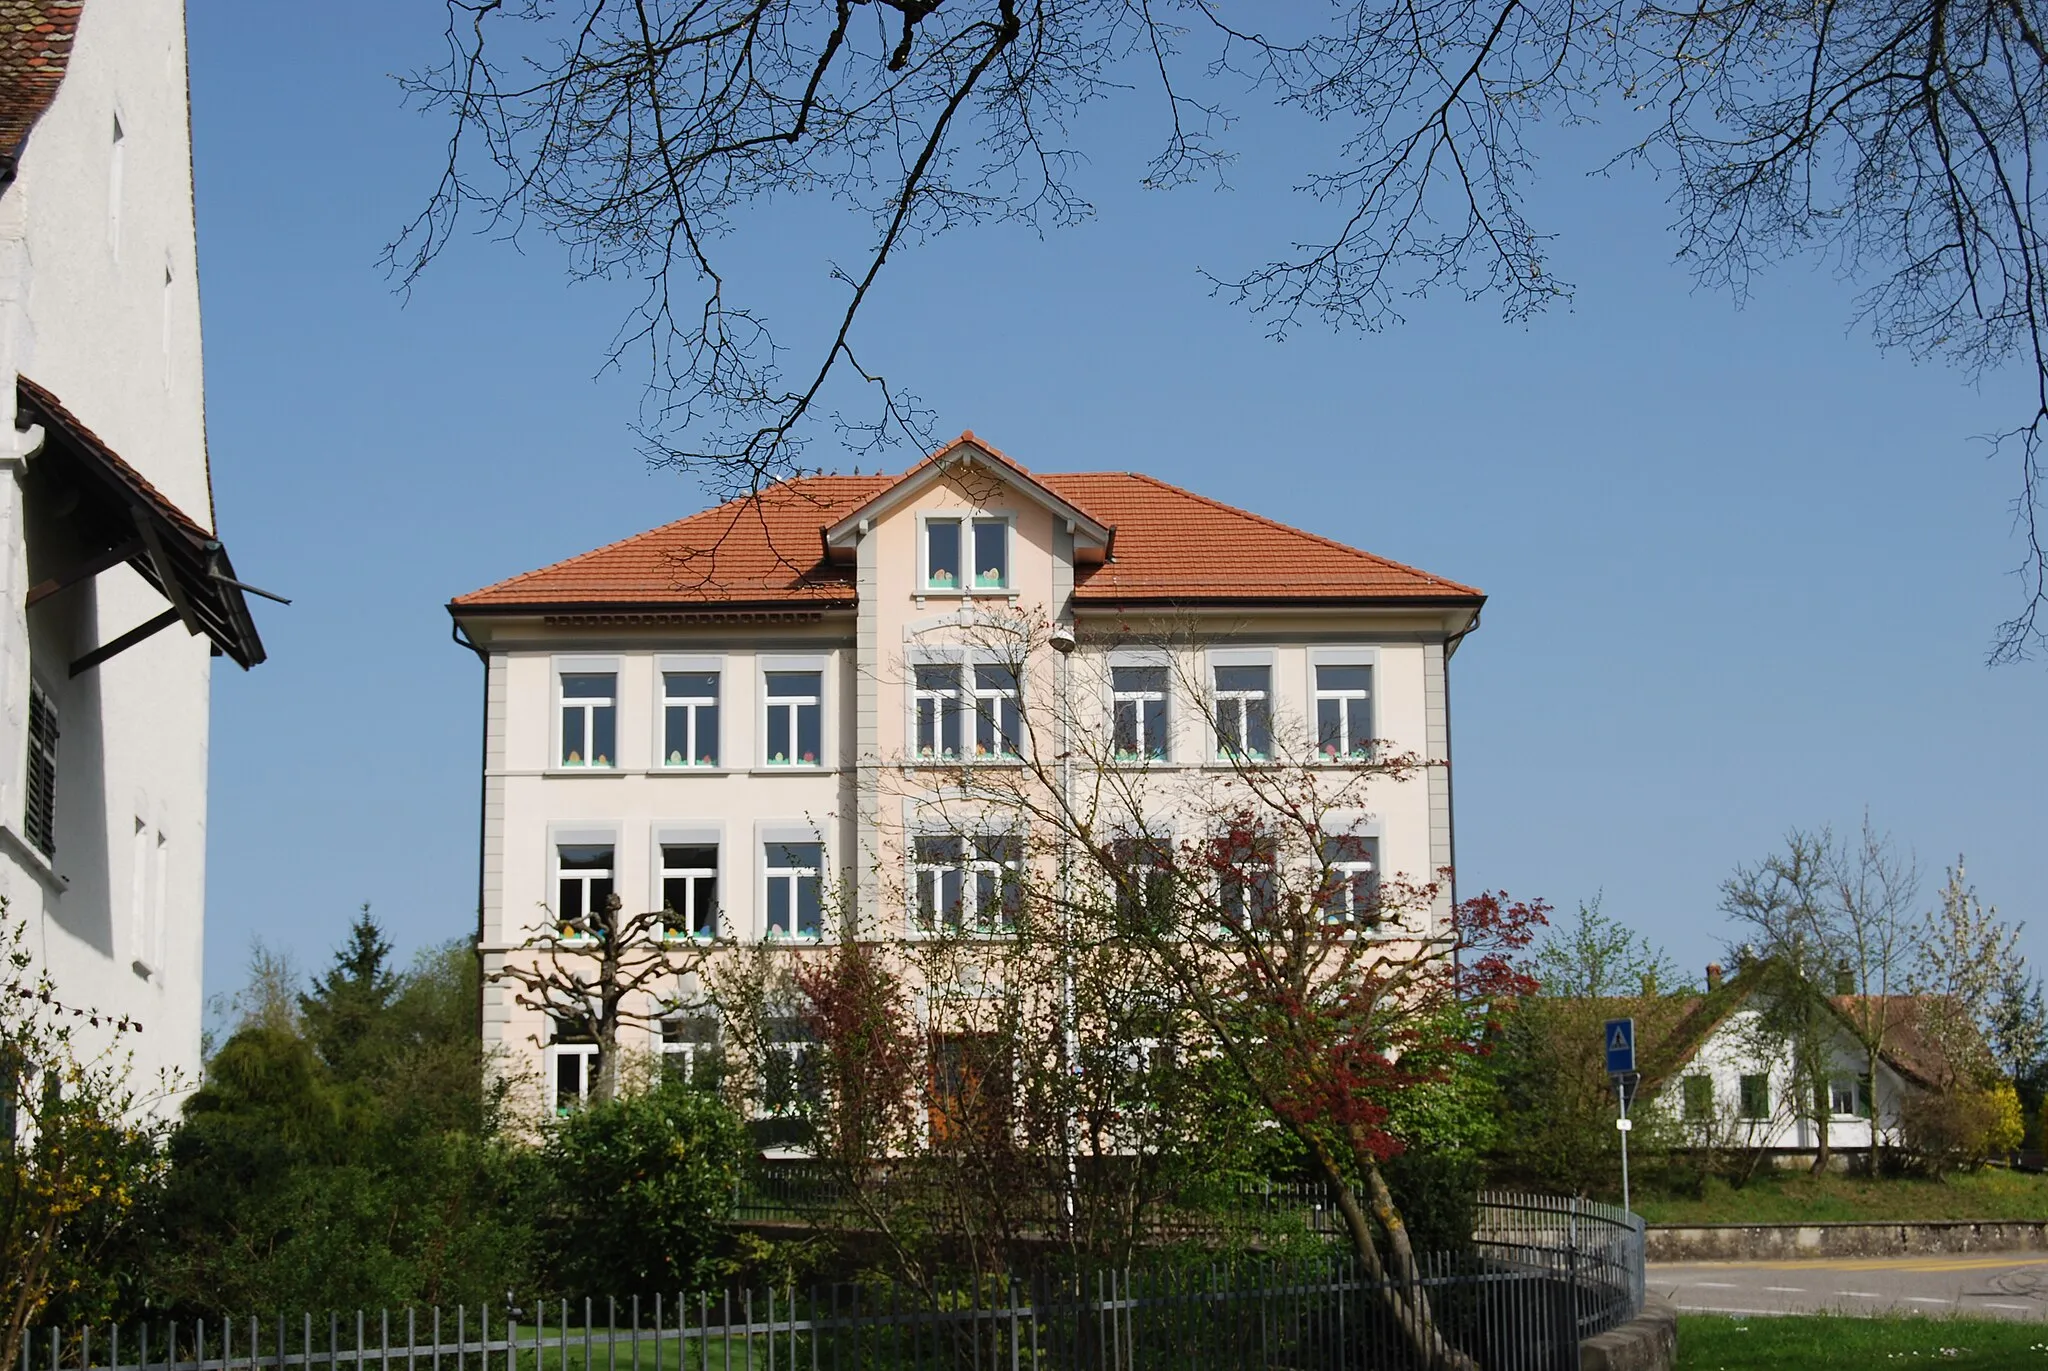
[{"x": 637, "y": 1193}]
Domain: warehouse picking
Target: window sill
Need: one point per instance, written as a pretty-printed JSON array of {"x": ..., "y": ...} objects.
[
  {"x": 565, "y": 772},
  {"x": 789, "y": 769},
  {"x": 32, "y": 857},
  {"x": 692, "y": 771},
  {"x": 962, "y": 763}
]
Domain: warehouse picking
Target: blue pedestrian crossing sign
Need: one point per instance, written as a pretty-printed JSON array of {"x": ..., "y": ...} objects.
[{"x": 1620, "y": 1037}]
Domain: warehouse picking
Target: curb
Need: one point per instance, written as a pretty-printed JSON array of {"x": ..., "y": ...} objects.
[{"x": 1648, "y": 1342}]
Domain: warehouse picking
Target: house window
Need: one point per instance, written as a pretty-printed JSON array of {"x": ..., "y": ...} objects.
[
  {"x": 1244, "y": 713},
  {"x": 1699, "y": 1097},
  {"x": 970, "y": 1087},
  {"x": 789, "y": 1074},
  {"x": 689, "y": 890},
  {"x": 997, "y": 725},
  {"x": 962, "y": 554},
  {"x": 1755, "y": 1093},
  {"x": 1247, "y": 878},
  {"x": 795, "y": 896},
  {"x": 1845, "y": 1097},
  {"x": 583, "y": 884},
  {"x": 939, "y": 724},
  {"x": 1143, "y": 877},
  {"x": 1343, "y": 712},
  {"x": 967, "y": 882},
  {"x": 1138, "y": 713},
  {"x": 795, "y": 717},
  {"x": 1351, "y": 896},
  {"x": 689, "y": 718},
  {"x": 943, "y": 694},
  {"x": 689, "y": 1050},
  {"x": 573, "y": 1069},
  {"x": 590, "y": 718},
  {"x": 39, "y": 813}
]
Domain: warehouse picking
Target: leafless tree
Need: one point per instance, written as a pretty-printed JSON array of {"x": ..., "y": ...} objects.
[{"x": 1897, "y": 136}]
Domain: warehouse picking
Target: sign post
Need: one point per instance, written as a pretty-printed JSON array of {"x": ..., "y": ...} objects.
[{"x": 1619, "y": 1037}]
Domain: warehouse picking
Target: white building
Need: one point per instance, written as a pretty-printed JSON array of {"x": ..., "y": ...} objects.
[
  {"x": 730, "y": 714},
  {"x": 117, "y": 591}
]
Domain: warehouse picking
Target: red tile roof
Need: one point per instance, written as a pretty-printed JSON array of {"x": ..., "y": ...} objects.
[
  {"x": 35, "y": 44},
  {"x": 1169, "y": 545}
]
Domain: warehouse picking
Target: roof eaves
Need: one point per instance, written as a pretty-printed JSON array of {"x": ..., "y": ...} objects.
[{"x": 915, "y": 478}]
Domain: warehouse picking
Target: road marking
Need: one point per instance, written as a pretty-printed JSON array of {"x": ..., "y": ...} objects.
[
  {"x": 1993, "y": 1304},
  {"x": 1716, "y": 1285},
  {"x": 1861, "y": 1294},
  {"x": 1786, "y": 1289},
  {"x": 1720, "y": 1309},
  {"x": 1926, "y": 1299}
]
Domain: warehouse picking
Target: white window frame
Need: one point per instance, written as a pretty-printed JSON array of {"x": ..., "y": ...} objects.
[
  {"x": 968, "y": 521},
  {"x": 1150, "y": 840},
  {"x": 664, "y": 667},
  {"x": 587, "y": 1074},
  {"x": 948, "y": 704},
  {"x": 692, "y": 1054},
  {"x": 972, "y": 867},
  {"x": 1373, "y": 866},
  {"x": 1263, "y": 657},
  {"x": 1855, "y": 1084},
  {"x": 1321, "y": 657},
  {"x": 712, "y": 836},
  {"x": 583, "y": 666},
  {"x": 972, "y": 705},
  {"x": 986, "y": 712},
  {"x": 777, "y": 666},
  {"x": 565, "y": 835},
  {"x": 1121, "y": 661},
  {"x": 774, "y": 835}
]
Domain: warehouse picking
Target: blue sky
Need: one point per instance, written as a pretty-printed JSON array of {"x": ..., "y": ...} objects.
[{"x": 1743, "y": 568}]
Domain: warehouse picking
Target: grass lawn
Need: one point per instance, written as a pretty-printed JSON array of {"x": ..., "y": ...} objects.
[
  {"x": 1797, "y": 1197},
  {"x": 1708, "y": 1342}
]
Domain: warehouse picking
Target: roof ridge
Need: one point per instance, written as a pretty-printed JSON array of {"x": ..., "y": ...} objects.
[{"x": 1256, "y": 517}]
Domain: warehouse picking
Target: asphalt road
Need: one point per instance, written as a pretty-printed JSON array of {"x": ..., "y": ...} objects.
[{"x": 1985, "y": 1285}]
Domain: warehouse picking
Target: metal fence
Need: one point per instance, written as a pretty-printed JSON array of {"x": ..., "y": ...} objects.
[{"x": 1544, "y": 1274}]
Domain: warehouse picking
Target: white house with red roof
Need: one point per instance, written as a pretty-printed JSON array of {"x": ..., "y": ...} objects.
[
  {"x": 702, "y": 718},
  {"x": 117, "y": 590}
]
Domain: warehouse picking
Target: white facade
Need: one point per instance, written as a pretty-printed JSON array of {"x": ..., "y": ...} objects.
[
  {"x": 99, "y": 306},
  {"x": 581, "y": 755}
]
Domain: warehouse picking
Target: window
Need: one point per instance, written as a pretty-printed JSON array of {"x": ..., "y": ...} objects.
[
  {"x": 689, "y": 890},
  {"x": 1756, "y": 1097},
  {"x": 689, "y": 702},
  {"x": 1143, "y": 879},
  {"x": 573, "y": 1070},
  {"x": 583, "y": 885},
  {"x": 970, "y": 1087},
  {"x": 1351, "y": 896},
  {"x": 1249, "y": 883},
  {"x": 1699, "y": 1097},
  {"x": 795, "y": 717},
  {"x": 1244, "y": 713},
  {"x": 1845, "y": 1097},
  {"x": 943, "y": 694},
  {"x": 689, "y": 1049},
  {"x": 938, "y": 712},
  {"x": 39, "y": 814},
  {"x": 967, "y": 882},
  {"x": 590, "y": 718},
  {"x": 789, "y": 1074},
  {"x": 1343, "y": 712},
  {"x": 795, "y": 898},
  {"x": 996, "y": 711},
  {"x": 982, "y": 564},
  {"x": 1138, "y": 713}
]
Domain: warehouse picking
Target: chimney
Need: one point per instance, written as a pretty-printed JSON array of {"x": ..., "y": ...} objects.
[
  {"x": 1845, "y": 978},
  {"x": 1714, "y": 970}
]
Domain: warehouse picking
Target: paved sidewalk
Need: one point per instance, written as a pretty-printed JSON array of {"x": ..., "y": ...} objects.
[{"x": 1983, "y": 1285}]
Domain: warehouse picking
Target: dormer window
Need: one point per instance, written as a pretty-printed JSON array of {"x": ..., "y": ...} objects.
[{"x": 966, "y": 554}]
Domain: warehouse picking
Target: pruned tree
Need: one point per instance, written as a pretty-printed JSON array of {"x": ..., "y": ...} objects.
[
  {"x": 1898, "y": 138},
  {"x": 592, "y": 974}
]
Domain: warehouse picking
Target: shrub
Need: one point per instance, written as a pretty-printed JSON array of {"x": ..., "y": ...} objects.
[
  {"x": 2008, "y": 1124},
  {"x": 1950, "y": 1129},
  {"x": 637, "y": 1191}
]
